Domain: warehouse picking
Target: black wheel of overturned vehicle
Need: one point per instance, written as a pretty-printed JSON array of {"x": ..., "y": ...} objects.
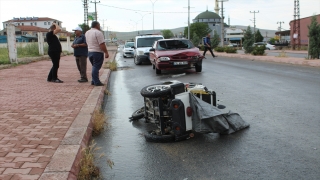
[
  {"x": 150, "y": 136},
  {"x": 156, "y": 90},
  {"x": 153, "y": 66},
  {"x": 138, "y": 114},
  {"x": 198, "y": 68}
]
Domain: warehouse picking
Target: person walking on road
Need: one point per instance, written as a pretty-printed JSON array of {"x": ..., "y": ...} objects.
[
  {"x": 81, "y": 53},
  {"x": 96, "y": 46},
  {"x": 54, "y": 52},
  {"x": 207, "y": 46}
]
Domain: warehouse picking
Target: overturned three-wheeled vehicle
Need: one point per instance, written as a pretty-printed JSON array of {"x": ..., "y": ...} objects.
[{"x": 180, "y": 109}]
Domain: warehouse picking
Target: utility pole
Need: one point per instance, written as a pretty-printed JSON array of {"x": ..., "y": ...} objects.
[
  {"x": 254, "y": 24},
  {"x": 296, "y": 26},
  {"x": 95, "y": 7},
  {"x": 85, "y": 6},
  {"x": 280, "y": 22},
  {"x": 222, "y": 23}
]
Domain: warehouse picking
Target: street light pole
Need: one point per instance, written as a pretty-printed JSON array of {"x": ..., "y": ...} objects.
[
  {"x": 153, "y": 11},
  {"x": 142, "y": 16},
  {"x": 136, "y": 23}
]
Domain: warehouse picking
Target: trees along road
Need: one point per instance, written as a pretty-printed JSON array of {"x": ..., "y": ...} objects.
[{"x": 280, "y": 101}]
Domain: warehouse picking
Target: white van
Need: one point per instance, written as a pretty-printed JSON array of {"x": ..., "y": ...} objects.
[{"x": 142, "y": 45}]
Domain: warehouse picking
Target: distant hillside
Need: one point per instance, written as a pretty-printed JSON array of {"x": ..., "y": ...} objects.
[{"x": 130, "y": 35}]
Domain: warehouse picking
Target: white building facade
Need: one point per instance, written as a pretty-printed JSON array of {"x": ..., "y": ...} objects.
[{"x": 42, "y": 22}]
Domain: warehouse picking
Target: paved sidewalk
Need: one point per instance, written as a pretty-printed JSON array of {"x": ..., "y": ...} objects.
[
  {"x": 288, "y": 60},
  {"x": 36, "y": 115}
]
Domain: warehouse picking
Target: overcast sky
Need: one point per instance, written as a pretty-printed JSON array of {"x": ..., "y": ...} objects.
[{"x": 119, "y": 15}]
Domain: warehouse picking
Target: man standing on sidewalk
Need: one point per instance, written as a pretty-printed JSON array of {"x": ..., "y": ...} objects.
[
  {"x": 207, "y": 46},
  {"x": 81, "y": 53},
  {"x": 96, "y": 47},
  {"x": 54, "y": 52}
]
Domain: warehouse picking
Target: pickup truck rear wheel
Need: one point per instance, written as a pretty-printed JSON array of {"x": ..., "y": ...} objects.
[
  {"x": 156, "y": 90},
  {"x": 152, "y": 137}
]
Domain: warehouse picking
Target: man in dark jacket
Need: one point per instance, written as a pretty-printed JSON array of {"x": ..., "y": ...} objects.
[
  {"x": 54, "y": 52},
  {"x": 207, "y": 46},
  {"x": 81, "y": 53}
]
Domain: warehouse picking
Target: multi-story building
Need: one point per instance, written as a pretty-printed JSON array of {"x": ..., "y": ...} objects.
[
  {"x": 42, "y": 22},
  {"x": 304, "y": 23},
  {"x": 26, "y": 29}
]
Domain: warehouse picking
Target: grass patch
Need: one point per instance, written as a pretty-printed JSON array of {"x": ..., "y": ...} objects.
[
  {"x": 30, "y": 50},
  {"x": 87, "y": 166},
  {"x": 99, "y": 121},
  {"x": 282, "y": 54},
  {"x": 4, "y": 56},
  {"x": 113, "y": 65}
]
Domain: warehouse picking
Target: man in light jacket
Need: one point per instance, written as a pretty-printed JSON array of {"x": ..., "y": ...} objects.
[{"x": 96, "y": 46}]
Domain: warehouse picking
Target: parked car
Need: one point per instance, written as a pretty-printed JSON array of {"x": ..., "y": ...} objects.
[
  {"x": 167, "y": 54},
  {"x": 232, "y": 45},
  {"x": 267, "y": 45},
  {"x": 128, "y": 50},
  {"x": 142, "y": 44}
]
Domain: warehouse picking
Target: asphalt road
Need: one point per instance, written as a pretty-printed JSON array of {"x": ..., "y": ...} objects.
[{"x": 280, "y": 101}]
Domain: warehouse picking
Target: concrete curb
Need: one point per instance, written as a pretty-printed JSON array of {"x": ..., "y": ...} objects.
[
  {"x": 287, "y": 60},
  {"x": 65, "y": 162}
]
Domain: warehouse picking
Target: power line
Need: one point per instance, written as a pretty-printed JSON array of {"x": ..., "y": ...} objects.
[{"x": 143, "y": 10}]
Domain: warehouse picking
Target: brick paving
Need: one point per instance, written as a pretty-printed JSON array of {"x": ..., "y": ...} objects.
[{"x": 35, "y": 115}]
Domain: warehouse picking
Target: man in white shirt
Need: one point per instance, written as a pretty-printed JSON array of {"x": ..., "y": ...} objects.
[{"x": 96, "y": 46}]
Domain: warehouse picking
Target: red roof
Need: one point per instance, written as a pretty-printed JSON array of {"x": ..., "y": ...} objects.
[
  {"x": 32, "y": 19},
  {"x": 32, "y": 28}
]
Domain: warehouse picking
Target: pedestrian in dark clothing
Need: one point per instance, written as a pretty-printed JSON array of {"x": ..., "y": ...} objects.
[
  {"x": 54, "y": 52},
  {"x": 81, "y": 53},
  {"x": 207, "y": 46},
  {"x": 96, "y": 47}
]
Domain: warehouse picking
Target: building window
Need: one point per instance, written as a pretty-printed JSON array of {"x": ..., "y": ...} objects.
[
  {"x": 22, "y": 24},
  {"x": 35, "y": 23},
  {"x": 48, "y": 23},
  {"x": 45, "y": 23},
  {"x": 31, "y": 24}
]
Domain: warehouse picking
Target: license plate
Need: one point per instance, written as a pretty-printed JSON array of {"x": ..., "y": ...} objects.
[{"x": 180, "y": 63}]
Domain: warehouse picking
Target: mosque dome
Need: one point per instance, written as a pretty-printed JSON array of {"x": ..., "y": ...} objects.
[{"x": 207, "y": 15}]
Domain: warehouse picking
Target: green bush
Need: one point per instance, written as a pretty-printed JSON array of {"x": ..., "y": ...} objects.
[
  {"x": 230, "y": 50},
  {"x": 201, "y": 47},
  {"x": 258, "y": 50},
  {"x": 219, "y": 49}
]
